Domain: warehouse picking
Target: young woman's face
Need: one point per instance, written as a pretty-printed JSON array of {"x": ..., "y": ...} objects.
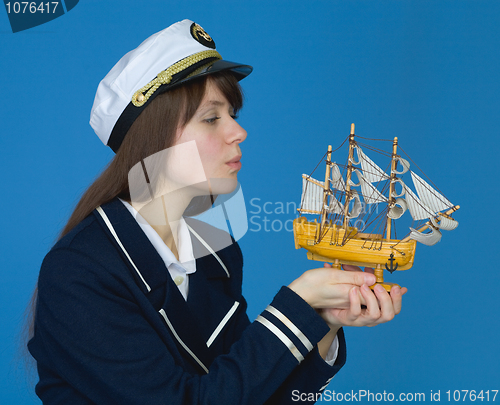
[{"x": 218, "y": 136}]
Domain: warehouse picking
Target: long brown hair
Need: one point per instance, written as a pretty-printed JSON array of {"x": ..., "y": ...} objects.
[{"x": 153, "y": 131}]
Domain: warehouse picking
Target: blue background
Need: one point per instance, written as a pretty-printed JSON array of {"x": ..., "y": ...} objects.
[{"x": 425, "y": 71}]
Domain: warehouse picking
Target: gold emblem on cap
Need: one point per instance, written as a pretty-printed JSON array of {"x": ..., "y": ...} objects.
[
  {"x": 198, "y": 31},
  {"x": 164, "y": 77}
]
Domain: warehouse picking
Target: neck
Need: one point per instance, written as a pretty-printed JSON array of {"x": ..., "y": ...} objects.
[{"x": 163, "y": 214}]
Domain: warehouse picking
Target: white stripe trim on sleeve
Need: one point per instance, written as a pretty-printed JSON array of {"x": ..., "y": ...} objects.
[
  {"x": 171, "y": 327},
  {"x": 281, "y": 336},
  {"x": 222, "y": 323},
  {"x": 113, "y": 232},
  {"x": 296, "y": 331},
  {"x": 209, "y": 248}
]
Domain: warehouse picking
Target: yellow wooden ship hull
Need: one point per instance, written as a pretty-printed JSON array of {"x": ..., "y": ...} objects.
[{"x": 359, "y": 249}]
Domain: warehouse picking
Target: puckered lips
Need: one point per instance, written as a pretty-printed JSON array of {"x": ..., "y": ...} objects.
[{"x": 235, "y": 163}]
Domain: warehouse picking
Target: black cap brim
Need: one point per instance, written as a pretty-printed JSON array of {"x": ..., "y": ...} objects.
[{"x": 237, "y": 69}]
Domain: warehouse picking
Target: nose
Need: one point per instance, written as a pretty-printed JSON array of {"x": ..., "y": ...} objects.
[{"x": 236, "y": 133}]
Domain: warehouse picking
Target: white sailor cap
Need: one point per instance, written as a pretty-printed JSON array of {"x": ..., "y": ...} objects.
[{"x": 166, "y": 59}]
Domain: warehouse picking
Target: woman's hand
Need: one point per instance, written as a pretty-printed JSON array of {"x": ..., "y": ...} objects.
[
  {"x": 329, "y": 288},
  {"x": 380, "y": 307},
  {"x": 343, "y": 298}
]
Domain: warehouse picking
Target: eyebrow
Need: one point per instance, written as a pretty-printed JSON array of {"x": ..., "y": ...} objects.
[
  {"x": 215, "y": 103},
  {"x": 212, "y": 103}
]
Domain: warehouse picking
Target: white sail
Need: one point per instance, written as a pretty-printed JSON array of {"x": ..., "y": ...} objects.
[
  {"x": 403, "y": 187},
  {"x": 428, "y": 239},
  {"x": 336, "y": 180},
  {"x": 448, "y": 224},
  {"x": 372, "y": 172},
  {"x": 417, "y": 209},
  {"x": 399, "y": 208},
  {"x": 312, "y": 195},
  {"x": 404, "y": 163},
  {"x": 335, "y": 206},
  {"x": 430, "y": 197},
  {"x": 370, "y": 194},
  {"x": 357, "y": 207}
]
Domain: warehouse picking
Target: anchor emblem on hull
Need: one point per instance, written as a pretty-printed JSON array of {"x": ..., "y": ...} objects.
[{"x": 392, "y": 268}]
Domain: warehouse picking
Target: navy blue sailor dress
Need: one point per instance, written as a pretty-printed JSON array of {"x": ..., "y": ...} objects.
[{"x": 111, "y": 326}]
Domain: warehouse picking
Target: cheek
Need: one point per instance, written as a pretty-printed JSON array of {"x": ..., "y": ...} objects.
[
  {"x": 204, "y": 141},
  {"x": 210, "y": 148},
  {"x": 183, "y": 136},
  {"x": 210, "y": 152}
]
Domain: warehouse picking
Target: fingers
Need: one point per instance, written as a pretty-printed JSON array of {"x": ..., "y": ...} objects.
[
  {"x": 381, "y": 307},
  {"x": 327, "y": 287},
  {"x": 372, "y": 305},
  {"x": 355, "y": 307},
  {"x": 359, "y": 280},
  {"x": 350, "y": 267},
  {"x": 322, "y": 288},
  {"x": 355, "y": 315},
  {"x": 387, "y": 309},
  {"x": 355, "y": 277},
  {"x": 397, "y": 296}
]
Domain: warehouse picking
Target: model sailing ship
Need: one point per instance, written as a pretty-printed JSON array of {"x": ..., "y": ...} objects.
[{"x": 340, "y": 203}]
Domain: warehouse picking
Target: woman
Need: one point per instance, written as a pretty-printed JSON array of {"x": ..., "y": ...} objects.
[{"x": 137, "y": 304}]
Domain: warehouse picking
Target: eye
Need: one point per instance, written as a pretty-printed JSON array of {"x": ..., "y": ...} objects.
[
  {"x": 234, "y": 116},
  {"x": 211, "y": 120}
]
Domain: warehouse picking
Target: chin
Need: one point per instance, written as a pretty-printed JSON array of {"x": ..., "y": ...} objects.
[{"x": 223, "y": 186}]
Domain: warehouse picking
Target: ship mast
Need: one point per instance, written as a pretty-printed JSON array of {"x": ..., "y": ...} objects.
[
  {"x": 326, "y": 185},
  {"x": 392, "y": 184},
  {"x": 349, "y": 172}
]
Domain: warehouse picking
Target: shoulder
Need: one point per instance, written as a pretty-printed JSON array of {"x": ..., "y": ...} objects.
[
  {"x": 80, "y": 236},
  {"x": 82, "y": 254},
  {"x": 87, "y": 239},
  {"x": 89, "y": 251}
]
